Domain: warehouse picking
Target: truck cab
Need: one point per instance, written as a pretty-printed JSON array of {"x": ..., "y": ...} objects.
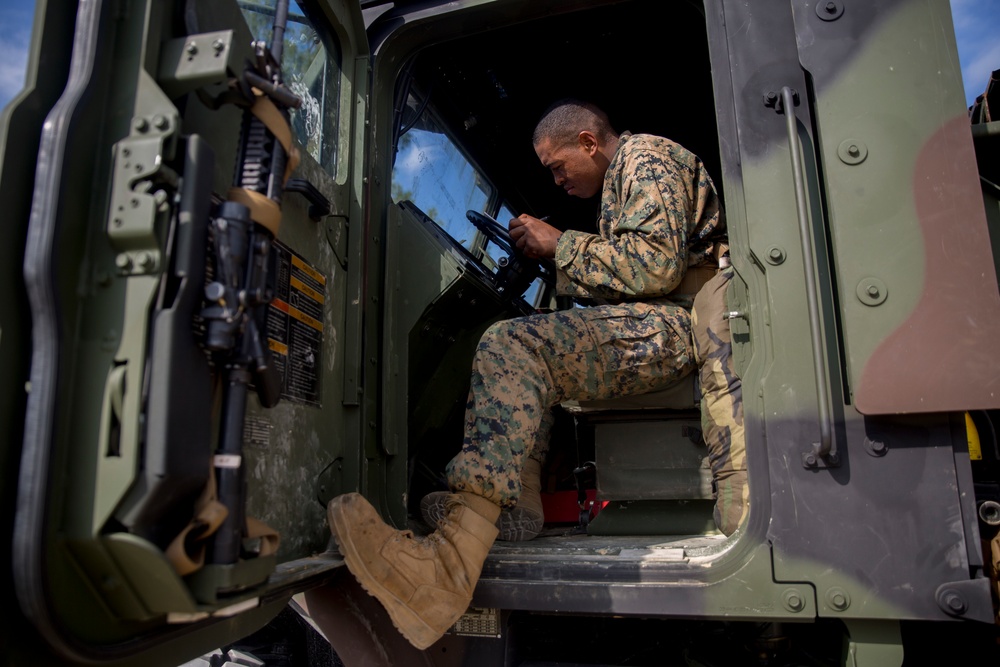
[{"x": 863, "y": 227}]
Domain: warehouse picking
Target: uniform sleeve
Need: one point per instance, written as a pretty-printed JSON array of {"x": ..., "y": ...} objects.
[{"x": 646, "y": 254}]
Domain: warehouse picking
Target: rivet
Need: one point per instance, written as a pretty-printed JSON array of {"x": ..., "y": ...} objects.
[
  {"x": 872, "y": 291},
  {"x": 145, "y": 260},
  {"x": 160, "y": 122},
  {"x": 218, "y": 45},
  {"x": 191, "y": 48},
  {"x": 989, "y": 512},
  {"x": 140, "y": 124},
  {"x": 123, "y": 261},
  {"x": 775, "y": 255},
  {"x": 852, "y": 151}
]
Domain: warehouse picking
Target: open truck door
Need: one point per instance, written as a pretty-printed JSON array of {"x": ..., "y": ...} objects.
[{"x": 178, "y": 230}]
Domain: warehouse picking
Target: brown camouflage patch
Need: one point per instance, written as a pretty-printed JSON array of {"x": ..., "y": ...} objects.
[{"x": 721, "y": 403}]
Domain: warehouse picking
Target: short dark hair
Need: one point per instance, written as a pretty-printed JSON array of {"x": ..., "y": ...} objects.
[{"x": 564, "y": 120}]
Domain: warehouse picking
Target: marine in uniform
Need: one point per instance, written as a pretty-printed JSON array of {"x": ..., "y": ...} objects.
[{"x": 660, "y": 216}]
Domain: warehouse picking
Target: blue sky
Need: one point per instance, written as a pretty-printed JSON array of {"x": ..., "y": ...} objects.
[{"x": 977, "y": 26}]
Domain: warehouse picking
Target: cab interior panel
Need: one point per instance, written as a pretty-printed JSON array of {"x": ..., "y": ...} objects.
[{"x": 485, "y": 90}]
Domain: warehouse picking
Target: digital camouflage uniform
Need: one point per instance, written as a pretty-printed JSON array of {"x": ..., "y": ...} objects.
[
  {"x": 721, "y": 402},
  {"x": 659, "y": 215}
]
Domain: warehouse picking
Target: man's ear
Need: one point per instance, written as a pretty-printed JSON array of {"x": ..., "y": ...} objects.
[{"x": 588, "y": 142}]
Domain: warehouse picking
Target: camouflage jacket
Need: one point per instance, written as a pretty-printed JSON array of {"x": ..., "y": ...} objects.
[{"x": 660, "y": 214}]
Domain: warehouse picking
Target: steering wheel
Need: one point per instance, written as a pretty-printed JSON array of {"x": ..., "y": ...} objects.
[
  {"x": 516, "y": 271},
  {"x": 494, "y": 231}
]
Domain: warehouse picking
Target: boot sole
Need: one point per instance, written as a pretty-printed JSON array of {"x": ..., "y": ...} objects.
[{"x": 409, "y": 624}]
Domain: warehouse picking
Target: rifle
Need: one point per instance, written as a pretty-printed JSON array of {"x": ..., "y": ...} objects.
[{"x": 242, "y": 231}]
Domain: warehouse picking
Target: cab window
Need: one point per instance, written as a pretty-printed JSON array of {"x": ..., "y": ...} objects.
[
  {"x": 311, "y": 67},
  {"x": 433, "y": 173}
]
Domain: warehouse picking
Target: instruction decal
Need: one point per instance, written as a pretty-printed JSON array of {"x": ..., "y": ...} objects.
[{"x": 295, "y": 325}]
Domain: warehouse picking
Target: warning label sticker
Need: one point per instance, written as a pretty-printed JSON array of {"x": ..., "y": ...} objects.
[
  {"x": 295, "y": 325},
  {"x": 478, "y": 622}
]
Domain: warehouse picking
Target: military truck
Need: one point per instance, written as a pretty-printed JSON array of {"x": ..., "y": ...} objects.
[{"x": 148, "y": 316}]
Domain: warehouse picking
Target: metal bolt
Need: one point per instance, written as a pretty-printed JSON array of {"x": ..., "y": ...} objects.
[
  {"x": 160, "y": 122},
  {"x": 793, "y": 600},
  {"x": 734, "y": 315},
  {"x": 123, "y": 262},
  {"x": 140, "y": 124},
  {"x": 872, "y": 291},
  {"x": 831, "y": 7},
  {"x": 218, "y": 45},
  {"x": 878, "y": 447},
  {"x": 810, "y": 460},
  {"x": 191, "y": 48},
  {"x": 214, "y": 291},
  {"x": 955, "y": 602},
  {"x": 838, "y": 599},
  {"x": 853, "y": 150},
  {"x": 775, "y": 254},
  {"x": 145, "y": 260},
  {"x": 770, "y": 98}
]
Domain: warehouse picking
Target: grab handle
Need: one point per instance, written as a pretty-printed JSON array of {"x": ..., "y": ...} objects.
[{"x": 822, "y": 453}]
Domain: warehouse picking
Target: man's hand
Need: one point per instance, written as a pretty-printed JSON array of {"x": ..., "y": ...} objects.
[{"x": 535, "y": 238}]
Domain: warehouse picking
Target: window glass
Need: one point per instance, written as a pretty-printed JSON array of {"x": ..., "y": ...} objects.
[
  {"x": 504, "y": 216},
  {"x": 432, "y": 172},
  {"x": 311, "y": 68}
]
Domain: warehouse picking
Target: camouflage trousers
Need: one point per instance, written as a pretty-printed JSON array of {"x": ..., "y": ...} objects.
[
  {"x": 525, "y": 366},
  {"x": 721, "y": 403}
]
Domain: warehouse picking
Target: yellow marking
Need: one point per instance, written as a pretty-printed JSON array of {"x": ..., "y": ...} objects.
[
  {"x": 275, "y": 346},
  {"x": 309, "y": 291},
  {"x": 316, "y": 275},
  {"x": 972, "y": 433},
  {"x": 305, "y": 319}
]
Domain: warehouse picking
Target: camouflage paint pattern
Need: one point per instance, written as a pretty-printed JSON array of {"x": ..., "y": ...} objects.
[
  {"x": 721, "y": 403},
  {"x": 659, "y": 215},
  {"x": 526, "y": 365}
]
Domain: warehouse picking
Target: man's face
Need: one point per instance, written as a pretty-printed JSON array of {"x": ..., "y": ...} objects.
[{"x": 573, "y": 165}]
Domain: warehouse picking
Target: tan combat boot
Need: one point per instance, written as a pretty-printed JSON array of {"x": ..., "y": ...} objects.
[
  {"x": 425, "y": 583},
  {"x": 519, "y": 524}
]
